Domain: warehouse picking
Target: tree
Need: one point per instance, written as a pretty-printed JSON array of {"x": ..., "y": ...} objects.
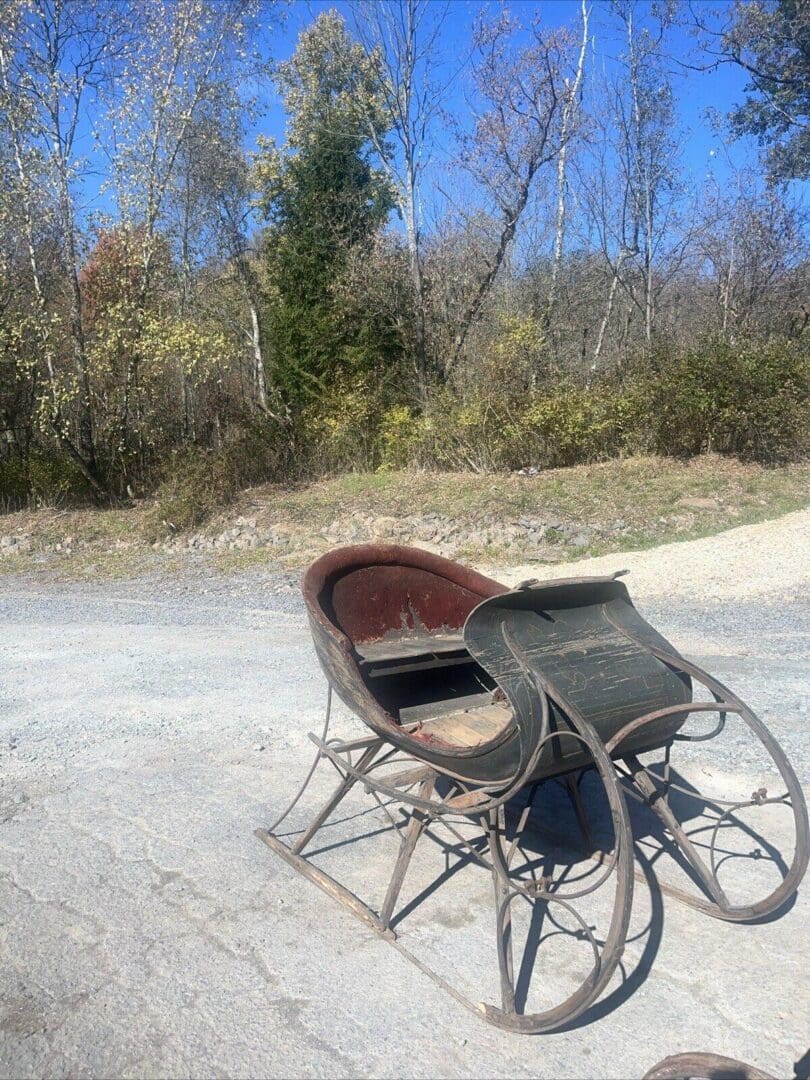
[
  {"x": 324, "y": 196},
  {"x": 217, "y": 220},
  {"x": 568, "y": 125},
  {"x": 401, "y": 39},
  {"x": 517, "y": 131},
  {"x": 770, "y": 41},
  {"x": 54, "y": 54},
  {"x": 628, "y": 181},
  {"x": 183, "y": 57},
  {"x": 755, "y": 243}
]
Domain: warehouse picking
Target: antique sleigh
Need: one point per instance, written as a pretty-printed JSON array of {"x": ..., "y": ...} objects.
[{"x": 478, "y": 698}]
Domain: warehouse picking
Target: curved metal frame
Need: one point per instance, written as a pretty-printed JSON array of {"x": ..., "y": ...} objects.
[
  {"x": 726, "y": 702},
  {"x": 707, "y": 1066},
  {"x": 485, "y": 802},
  {"x": 507, "y": 889},
  {"x": 489, "y": 810}
]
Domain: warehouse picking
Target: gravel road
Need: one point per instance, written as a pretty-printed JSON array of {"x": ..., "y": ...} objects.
[{"x": 148, "y": 726}]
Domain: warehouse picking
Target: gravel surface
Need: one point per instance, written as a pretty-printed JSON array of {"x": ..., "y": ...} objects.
[
  {"x": 148, "y": 726},
  {"x": 768, "y": 560}
]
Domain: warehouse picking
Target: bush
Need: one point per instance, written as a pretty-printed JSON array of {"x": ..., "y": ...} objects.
[
  {"x": 573, "y": 426},
  {"x": 401, "y": 437},
  {"x": 15, "y": 488},
  {"x": 200, "y": 482},
  {"x": 447, "y": 434},
  {"x": 341, "y": 431},
  {"x": 750, "y": 400},
  {"x": 43, "y": 479},
  {"x": 564, "y": 427}
]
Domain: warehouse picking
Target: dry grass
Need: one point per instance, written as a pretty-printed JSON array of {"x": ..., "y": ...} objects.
[
  {"x": 638, "y": 491},
  {"x": 649, "y": 495}
]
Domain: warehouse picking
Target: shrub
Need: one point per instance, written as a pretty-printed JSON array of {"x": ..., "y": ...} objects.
[
  {"x": 199, "y": 482},
  {"x": 401, "y": 437},
  {"x": 341, "y": 430},
  {"x": 574, "y": 426},
  {"x": 43, "y": 479},
  {"x": 749, "y": 399},
  {"x": 15, "y": 489},
  {"x": 564, "y": 427}
]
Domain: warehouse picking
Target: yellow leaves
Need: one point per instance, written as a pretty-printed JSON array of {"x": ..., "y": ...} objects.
[
  {"x": 194, "y": 349},
  {"x": 517, "y": 350},
  {"x": 267, "y": 170},
  {"x": 54, "y": 402}
]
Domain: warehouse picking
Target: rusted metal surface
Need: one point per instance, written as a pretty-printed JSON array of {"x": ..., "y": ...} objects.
[
  {"x": 480, "y": 696},
  {"x": 701, "y": 1066}
]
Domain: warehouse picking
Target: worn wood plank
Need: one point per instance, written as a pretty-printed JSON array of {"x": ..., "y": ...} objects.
[
  {"x": 423, "y": 663},
  {"x": 470, "y": 726},
  {"x": 411, "y": 645},
  {"x": 414, "y": 714}
]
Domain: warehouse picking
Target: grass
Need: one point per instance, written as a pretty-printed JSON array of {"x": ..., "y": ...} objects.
[
  {"x": 646, "y": 494},
  {"x": 638, "y": 491},
  {"x": 633, "y": 489},
  {"x": 86, "y": 565}
]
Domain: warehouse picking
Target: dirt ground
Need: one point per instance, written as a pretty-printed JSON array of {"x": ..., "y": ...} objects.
[{"x": 149, "y": 725}]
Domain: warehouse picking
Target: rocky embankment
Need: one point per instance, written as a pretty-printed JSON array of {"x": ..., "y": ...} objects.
[
  {"x": 547, "y": 536},
  {"x": 524, "y": 534},
  {"x": 530, "y": 537}
]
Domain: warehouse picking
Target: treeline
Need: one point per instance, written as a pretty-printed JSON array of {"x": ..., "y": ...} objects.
[{"x": 483, "y": 260}]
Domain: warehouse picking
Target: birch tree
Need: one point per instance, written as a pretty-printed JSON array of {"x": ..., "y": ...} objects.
[
  {"x": 54, "y": 56},
  {"x": 401, "y": 38},
  {"x": 182, "y": 56},
  {"x": 517, "y": 133},
  {"x": 629, "y": 183},
  {"x": 216, "y": 197},
  {"x": 568, "y": 124}
]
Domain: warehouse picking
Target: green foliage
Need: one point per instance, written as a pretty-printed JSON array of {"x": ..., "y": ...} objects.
[
  {"x": 574, "y": 426},
  {"x": 199, "y": 482},
  {"x": 563, "y": 427},
  {"x": 323, "y": 199},
  {"x": 401, "y": 434},
  {"x": 41, "y": 479},
  {"x": 751, "y": 399},
  {"x": 342, "y": 429},
  {"x": 771, "y": 41}
]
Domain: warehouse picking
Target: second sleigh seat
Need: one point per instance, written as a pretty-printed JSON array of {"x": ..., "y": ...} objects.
[{"x": 584, "y": 645}]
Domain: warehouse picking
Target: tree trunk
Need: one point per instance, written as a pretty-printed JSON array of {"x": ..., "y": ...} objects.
[
  {"x": 727, "y": 290},
  {"x": 508, "y": 230},
  {"x": 648, "y": 262},
  {"x": 568, "y": 120},
  {"x": 259, "y": 377},
  {"x": 418, "y": 286},
  {"x": 600, "y": 338},
  {"x": 86, "y": 440},
  {"x": 56, "y": 421}
]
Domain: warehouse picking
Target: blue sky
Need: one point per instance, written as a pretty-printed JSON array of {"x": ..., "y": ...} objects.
[
  {"x": 696, "y": 92},
  {"x": 705, "y": 149}
]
